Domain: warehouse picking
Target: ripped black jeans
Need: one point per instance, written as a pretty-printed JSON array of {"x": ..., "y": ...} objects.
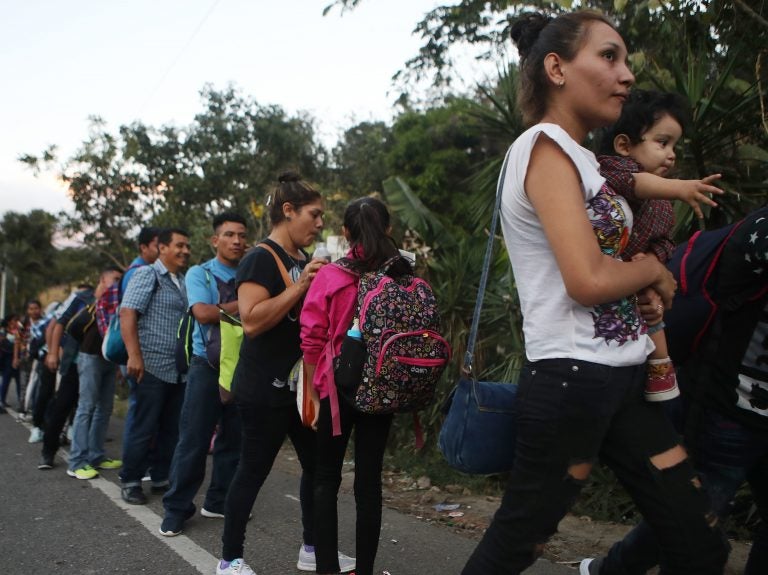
[{"x": 574, "y": 412}]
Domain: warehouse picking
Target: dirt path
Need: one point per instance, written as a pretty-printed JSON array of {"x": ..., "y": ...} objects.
[{"x": 578, "y": 537}]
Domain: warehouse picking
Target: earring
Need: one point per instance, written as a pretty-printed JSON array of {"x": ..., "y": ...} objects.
[
  {"x": 561, "y": 83},
  {"x": 288, "y": 218}
]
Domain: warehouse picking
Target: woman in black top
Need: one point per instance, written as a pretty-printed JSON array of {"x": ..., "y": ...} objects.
[{"x": 269, "y": 311}]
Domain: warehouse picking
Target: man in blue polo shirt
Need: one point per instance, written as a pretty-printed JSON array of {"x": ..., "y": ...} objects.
[{"x": 210, "y": 288}]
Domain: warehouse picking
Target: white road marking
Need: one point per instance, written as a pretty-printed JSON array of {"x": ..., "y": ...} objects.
[{"x": 183, "y": 546}]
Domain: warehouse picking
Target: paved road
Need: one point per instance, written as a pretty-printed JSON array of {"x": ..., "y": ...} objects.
[{"x": 53, "y": 524}]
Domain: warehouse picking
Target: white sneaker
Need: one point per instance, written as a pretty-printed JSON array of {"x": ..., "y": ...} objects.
[
  {"x": 584, "y": 566},
  {"x": 307, "y": 561},
  {"x": 36, "y": 436},
  {"x": 211, "y": 514},
  {"x": 236, "y": 567}
]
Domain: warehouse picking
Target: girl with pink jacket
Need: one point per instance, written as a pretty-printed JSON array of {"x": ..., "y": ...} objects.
[{"x": 325, "y": 318}]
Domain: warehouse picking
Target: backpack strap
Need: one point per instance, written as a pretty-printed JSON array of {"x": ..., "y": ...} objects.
[
  {"x": 194, "y": 319},
  {"x": 120, "y": 283},
  {"x": 280, "y": 265},
  {"x": 283, "y": 272},
  {"x": 333, "y": 396},
  {"x": 344, "y": 264}
]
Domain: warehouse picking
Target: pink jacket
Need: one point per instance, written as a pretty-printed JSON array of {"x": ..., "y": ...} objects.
[{"x": 325, "y": 317}]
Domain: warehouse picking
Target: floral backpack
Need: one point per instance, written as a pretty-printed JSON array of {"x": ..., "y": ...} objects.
[{"x": 404, "y": 353}]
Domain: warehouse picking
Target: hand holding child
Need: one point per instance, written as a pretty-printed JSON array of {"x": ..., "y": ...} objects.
[
  {"x": 650, "y": 305},
  {"x": 650, "y": 301},
  {"x": 665, "y": 286}
]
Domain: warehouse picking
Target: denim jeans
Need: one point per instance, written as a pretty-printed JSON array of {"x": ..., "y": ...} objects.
[
  {"x": 201, "y": 411},
  {"x": 371, "y": 432},
  {"x": 129, "y": 415},
  {"x": 128, "y": 423},
  {"x": 265, "y": 428},
  {"x": 726, "y": 454},
  {"x": 156, "y": 416},
  {"x": 570, "y": 413},
  {"x": 94, "y": 408}
]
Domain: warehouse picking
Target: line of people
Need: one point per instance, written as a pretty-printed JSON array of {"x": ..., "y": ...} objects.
[{"x": 592, "y": 288}]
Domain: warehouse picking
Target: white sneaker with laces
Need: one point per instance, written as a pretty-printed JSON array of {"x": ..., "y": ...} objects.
[
  {"x": 236, "y": 567},
  {"x": 307, "y": 561}
]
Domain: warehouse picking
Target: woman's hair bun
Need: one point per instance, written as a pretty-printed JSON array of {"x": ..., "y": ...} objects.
[
  {"x": 288, "y": 176},
  {"x": 526, "y": 29}
]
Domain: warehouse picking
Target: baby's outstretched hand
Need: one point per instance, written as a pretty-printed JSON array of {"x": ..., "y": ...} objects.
[{"x": 697, "y": 192}]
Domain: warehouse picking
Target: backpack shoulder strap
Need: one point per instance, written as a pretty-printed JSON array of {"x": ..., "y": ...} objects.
[
  {"x": 156, "y": 285},
  {"x": 345, "y": 264},
  {"x": 280, "y": 265},
  {"x": 120, "y": 283}
]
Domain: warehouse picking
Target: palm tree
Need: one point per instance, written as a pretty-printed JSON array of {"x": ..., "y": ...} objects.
[{"x": 454, "y": 256}]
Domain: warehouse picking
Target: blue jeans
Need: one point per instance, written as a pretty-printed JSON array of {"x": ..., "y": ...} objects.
[
  {"x": 156, "y": 415},
  {"x": 726, "y": 454},
  {"x": 131, "y": 400},
  {"x": 129, "y": 415},
  {"x": 94, "y": 408},
  {"x": 570, "y": 413},
  {"x": 201, "y": 411}
]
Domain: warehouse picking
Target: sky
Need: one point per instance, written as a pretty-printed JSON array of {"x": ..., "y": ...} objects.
[{"x": 146, "y": 60}]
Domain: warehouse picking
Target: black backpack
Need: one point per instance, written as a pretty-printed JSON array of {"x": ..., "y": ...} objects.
[
  {"x": 82, "y": 321},
  {"x": 697, "y": 301},
  {"x": 183, "y": 352}
]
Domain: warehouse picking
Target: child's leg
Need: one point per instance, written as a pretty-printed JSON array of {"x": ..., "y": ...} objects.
[
  {"x": 662, "y": 381},
  {"x": 659, "y": 339}
]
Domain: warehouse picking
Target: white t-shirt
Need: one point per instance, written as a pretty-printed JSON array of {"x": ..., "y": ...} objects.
[{"x": 556, "y": 326}]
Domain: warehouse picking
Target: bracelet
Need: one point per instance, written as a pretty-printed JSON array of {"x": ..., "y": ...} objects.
[{"x": 656, "y": 327}]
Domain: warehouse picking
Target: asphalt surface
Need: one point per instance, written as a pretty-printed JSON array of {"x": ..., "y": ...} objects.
[{"x": 51, "y": 523}]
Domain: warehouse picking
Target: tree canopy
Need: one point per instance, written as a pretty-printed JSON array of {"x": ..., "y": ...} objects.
[
  {"x": 227, "y": 159},
  {"x": 27, "y": 254}
]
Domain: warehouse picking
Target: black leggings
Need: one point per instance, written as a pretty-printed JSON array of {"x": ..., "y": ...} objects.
[
  {"x": 371, "y": 432},
  {"x": 264, "y": 431},
  {"x": 46, "y": 387},
  {"x": 62, "y": 405}
]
